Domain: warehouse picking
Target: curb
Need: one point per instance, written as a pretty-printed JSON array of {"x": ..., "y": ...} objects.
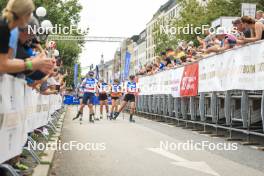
[{"x": 43, "y": 169}]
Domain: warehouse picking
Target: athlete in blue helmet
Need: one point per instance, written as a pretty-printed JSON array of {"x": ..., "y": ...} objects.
[
  {"x": 89, "y": 86},
  {"x": 131, "y": 90}
]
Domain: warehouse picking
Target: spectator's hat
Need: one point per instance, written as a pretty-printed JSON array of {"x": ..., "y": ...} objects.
[
  {"x": 220, "y": 31},
  {"x": 190, "y": 43}
]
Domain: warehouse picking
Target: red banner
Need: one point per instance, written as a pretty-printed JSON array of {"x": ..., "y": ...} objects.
[{"x": 189, "y": 82}]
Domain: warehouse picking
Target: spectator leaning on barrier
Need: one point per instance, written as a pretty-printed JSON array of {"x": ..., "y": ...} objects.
[
  {"x": 242, "y": 31},
  {"x": 227, "y": 41},
  {"x": 169, "y": 57},
  {"x": 180, "y": 56},
  {"x": 160, "y": 63},
  {"x": 149, "y": 69},
  {"x": 17, "y": 14},
  {"x": 155, "y": 68},
  {"x": 260, "y": 16},
  {"x": 26, "y": 49},
  {"x": 255, "y": 26},
  {"x": 208, "y": 41}
]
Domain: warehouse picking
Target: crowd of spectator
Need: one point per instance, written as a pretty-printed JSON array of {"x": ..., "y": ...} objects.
[
  {"x": 245, "y": 30},
  {"x": 23, "y": 55}
]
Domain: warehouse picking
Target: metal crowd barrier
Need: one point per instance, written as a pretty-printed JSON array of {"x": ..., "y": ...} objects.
[
  {"x": 236, "y": 110},
  {"x": 23, "y": 111}
]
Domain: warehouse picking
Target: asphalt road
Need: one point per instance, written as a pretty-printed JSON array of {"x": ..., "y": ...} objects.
[{"x": 119, "y": 148}]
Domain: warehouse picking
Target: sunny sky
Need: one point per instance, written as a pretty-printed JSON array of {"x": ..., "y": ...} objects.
[{"x": 115, "y": 18}]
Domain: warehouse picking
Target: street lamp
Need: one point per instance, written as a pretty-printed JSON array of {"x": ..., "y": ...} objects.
[
  {"x": 41, "y": 12},
  {"x": 56, "y": 53}
]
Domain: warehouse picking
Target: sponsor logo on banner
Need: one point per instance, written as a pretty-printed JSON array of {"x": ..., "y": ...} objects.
[{"x": 189, "y": 82}]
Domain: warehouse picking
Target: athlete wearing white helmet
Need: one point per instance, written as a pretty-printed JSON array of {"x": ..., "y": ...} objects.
[
  {"x": 89, "y": 87},
  {"x": 131, "y": 90}
]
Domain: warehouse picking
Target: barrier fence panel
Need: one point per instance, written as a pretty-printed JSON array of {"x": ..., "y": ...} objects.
[
  {"x": 177, "y": 107},
  {"x": 227, "y": 107},
  {"x": 184, "y": 107},
  {"x": 170, "y": 105},
  {"x": 21, "y": 111}
]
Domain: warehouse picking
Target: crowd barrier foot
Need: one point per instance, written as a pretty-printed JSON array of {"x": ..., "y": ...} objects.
[
  {"x": 10, "y": 169},
  {"x": 31, "y": 139},
  {"x": 217, "y": 135},
  {"x": 33, "y": 154},
  {"x": 53, "y": 126},
  {"x": 172, "y": 123},
  {"x": 260, "y": 148},
  {"x": 249, "y": 143},
  {"x": 234, "y": 139},
  {"x": 44, "y": 136},
  {"x": 196, "y": 130},
  {"x": 205, "y": 132},
  {"x": 180, "y": 125},
  {"x": 187, "y": 126}
]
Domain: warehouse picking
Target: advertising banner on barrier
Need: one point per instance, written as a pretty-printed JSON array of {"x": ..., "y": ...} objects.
[
  {"x": 12, "y": 131},
  {"x": 189, "y": 81},
  {"x": 241, "y": 69},
  {"x": 238, "y": 69},
  {"x": 21, "y": 111},
  {"x": 167, "y": 82}
]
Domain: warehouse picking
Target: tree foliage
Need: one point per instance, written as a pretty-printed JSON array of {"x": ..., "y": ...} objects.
[
  {"x": 64, "y": 13},
  {"x": 195, "y": 14}
]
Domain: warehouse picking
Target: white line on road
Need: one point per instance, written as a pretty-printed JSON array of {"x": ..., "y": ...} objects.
[{"x": 182, "y": 162}]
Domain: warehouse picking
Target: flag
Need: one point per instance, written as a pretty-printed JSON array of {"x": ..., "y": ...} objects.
[
  {"x": 75, "y": 75},
  {"x": 127, "y": 66}
]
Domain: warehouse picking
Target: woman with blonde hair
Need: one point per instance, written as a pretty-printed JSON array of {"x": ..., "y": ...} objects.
[{"x": 17, "y": 14}]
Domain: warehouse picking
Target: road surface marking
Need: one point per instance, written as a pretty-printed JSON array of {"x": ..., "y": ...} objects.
[{"x": 182, "y": 162}]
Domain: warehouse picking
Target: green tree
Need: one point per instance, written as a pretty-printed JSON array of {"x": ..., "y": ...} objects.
[
  {"x": 64, "y": 13},
  {"x": 195, "y": 14}
]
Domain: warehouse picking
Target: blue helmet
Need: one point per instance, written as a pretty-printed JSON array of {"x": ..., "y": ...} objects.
[{"x": 90, "y": 73}]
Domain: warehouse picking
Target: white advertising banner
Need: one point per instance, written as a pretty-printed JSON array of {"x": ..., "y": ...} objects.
[
  {"x": 166, "y": 82},
  {"x": 12, "y": 131},
  {"x": 239, "y": 69},
  {"x": 21, "y": 111}
]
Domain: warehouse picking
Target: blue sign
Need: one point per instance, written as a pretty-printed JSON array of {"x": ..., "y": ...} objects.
[
  {"x": 75, "y": 75},
  {"x": 127, "y": 65}
]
